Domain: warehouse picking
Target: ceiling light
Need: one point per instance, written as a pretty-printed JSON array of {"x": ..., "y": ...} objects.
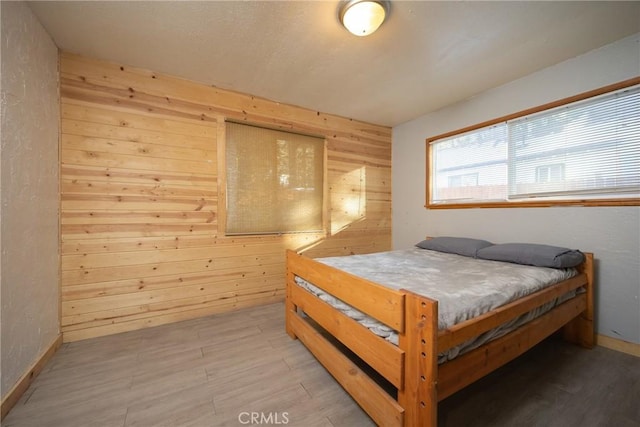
[{"x": 363, "y": 17}]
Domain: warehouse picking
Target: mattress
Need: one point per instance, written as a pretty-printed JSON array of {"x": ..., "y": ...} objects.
[{"x": 464, "y": 288}]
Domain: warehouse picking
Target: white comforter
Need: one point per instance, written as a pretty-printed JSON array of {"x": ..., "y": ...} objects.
[{"x": 464, "y": 287}]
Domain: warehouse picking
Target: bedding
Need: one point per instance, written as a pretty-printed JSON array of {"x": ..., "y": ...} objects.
[{"x": 463, "y": 286}]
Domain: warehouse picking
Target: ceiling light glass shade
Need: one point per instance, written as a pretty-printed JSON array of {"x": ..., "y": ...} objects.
[{"x": 363, "y": 17}]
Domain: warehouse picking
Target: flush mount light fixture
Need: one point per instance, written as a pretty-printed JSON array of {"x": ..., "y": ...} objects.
[{"x": 363, "y": 17}]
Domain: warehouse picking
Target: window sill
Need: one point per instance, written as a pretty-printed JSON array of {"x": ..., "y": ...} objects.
[{"x": 537, "y": 204}]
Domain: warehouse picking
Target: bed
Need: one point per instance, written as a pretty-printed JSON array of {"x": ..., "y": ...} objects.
[{"x": 399, "y": 382}]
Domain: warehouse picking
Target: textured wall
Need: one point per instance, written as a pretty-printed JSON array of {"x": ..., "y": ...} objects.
[
  {"x": 612, "y": 233},
  {"x": 30, "y": 261}
]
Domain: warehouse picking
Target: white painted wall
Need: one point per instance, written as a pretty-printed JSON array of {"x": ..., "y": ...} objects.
[
  {"x": 29, "y": 192},
  {"x": 612, "y": 233}
]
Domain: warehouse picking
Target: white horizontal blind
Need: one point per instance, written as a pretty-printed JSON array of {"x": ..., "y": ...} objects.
[
  {"x": 586, "y": 149},
  {"x": 274, "y": 181},
  {"x": 589, "y": 147},
  {"x": 471, "y": 166}
]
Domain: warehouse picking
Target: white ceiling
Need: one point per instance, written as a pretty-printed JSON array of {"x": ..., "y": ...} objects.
[{"x": 426, "y": 56}]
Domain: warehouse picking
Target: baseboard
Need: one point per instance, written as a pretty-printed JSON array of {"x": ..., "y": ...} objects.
[
  {"x": 618, "y": 345},
  {"x": 25, "y": 381}
]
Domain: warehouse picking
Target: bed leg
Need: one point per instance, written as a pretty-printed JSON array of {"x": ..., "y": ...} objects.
[
  {"x": 290, "y": 308},
  {"x": 581, "y": 329},
  {"x": 419, "y": 341}
]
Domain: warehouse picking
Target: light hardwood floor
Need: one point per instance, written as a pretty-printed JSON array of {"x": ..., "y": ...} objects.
[{"x": 216, "y": 371}]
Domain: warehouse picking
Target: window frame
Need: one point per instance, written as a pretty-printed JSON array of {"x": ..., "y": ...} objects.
[
  {"x": 546, "y": 202},
  {"x": 221, "y": 148}
]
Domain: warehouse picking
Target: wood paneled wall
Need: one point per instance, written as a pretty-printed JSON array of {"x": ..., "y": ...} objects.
[{"x": 142, "y": 198}]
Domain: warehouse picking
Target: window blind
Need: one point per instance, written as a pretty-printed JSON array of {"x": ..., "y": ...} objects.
[
  {"x": 589, "y": 147},
  {"x": 585, "y": 149},
  {"x": 274, "y": 181}
]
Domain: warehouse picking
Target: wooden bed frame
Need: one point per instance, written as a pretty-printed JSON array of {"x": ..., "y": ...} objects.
[{"x": 412, "y": 366}]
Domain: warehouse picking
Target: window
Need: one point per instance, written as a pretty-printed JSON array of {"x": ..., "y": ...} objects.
[
  {"x": 464, "y": 180},
  {"x": 274, "y": 181},
  {"x": 550, "y": 173},
  {"x": 586, "y": 150}
]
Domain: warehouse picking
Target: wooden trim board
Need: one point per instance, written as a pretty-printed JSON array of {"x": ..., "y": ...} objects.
[
  {"x": 618, "y": 345},
  {"x": 23, "y": 383}
]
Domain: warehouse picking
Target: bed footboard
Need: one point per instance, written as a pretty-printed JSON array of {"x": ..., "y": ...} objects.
[{"x": 385, "y": 358}]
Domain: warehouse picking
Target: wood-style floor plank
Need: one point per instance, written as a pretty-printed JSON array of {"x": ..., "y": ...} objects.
[{"x": 209, "y": 372}]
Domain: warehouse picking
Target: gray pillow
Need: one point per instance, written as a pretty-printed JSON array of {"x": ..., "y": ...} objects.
[
  {"x": 455, "y": 245},
  {"x": 533, "y": 254}
]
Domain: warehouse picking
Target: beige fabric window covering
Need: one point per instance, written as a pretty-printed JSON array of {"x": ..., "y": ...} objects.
[{"x": 274, "y": 181}]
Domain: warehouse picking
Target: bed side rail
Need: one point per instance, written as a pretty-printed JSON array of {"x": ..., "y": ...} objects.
[
  {"x": 575, "y": 315},
  {"x": 469, "y": 367},
  {"x": 464, "y": 331}
]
